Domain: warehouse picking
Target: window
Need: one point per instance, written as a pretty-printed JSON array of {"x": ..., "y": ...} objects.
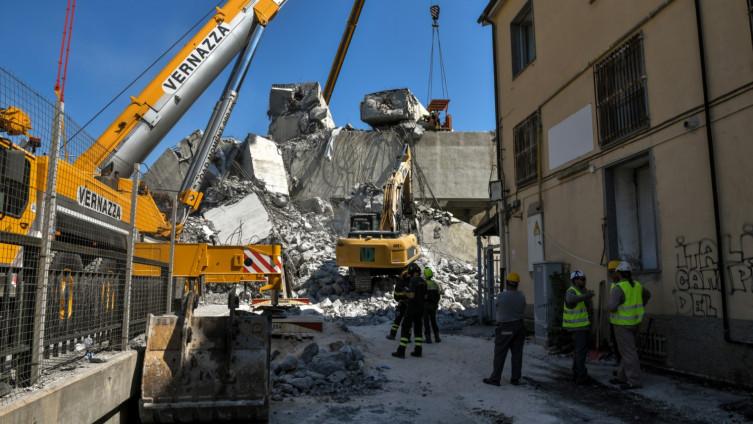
[
  {"x": 750, "y": 15},
  {"x": 621, "y": 103},
  {"x": 14, "y": 182},
  {"x": 523, "y": 39},
  {"x": 526, "y": 146},
  {"x": 631, "y": 214}
]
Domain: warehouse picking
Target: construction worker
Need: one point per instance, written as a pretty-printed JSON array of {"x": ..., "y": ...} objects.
[
  {"x": 414, "y": 314},
  {"x": 627, "y": 306},
  {"x": 510, "y": 334},
  {"x": 431, "y": 306},
  {"x": 614, "y": 278},
  {"x": 401, "y": 295},
  {"x": 576, "y": 320}
]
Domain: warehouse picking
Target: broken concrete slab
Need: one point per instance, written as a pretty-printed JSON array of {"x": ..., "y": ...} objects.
[
  {"x": 166, "y": 174},
  {"x": 261, "y": 159},
  {"x": 455, "y": 240},
  {"x": 296, "y": 110},
  {"x": 244, "y": 222},
  {"x": 443, "y": 158},
  {"x": 168, "y": 171},
  {"x": 391, "y": 107},
  {"x": 357, "y": 157}
]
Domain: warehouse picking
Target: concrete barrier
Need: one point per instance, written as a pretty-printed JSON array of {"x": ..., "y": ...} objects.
[{"x": 96, "y": 395}]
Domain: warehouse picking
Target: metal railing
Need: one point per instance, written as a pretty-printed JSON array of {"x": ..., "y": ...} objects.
[{"x": 66, "y": 285}]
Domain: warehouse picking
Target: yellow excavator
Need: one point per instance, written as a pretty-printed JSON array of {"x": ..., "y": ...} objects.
[{"x": 382, "y": 244}]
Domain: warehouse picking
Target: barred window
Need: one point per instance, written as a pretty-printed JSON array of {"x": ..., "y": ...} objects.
[
  {"x": 621, "y": 94},
  {"x": 526, "y": 144}
]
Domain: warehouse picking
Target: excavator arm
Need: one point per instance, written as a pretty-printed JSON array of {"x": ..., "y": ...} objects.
[{"x": 398, "y": 193}]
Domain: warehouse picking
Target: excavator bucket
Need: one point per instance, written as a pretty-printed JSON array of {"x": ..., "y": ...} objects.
[{"x": 206, "y": 369}]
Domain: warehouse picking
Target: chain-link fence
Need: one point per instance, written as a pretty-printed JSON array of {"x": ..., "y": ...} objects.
[{"x": 67, "y": 289}]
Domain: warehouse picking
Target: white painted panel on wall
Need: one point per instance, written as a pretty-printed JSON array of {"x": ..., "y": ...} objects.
[{"x": 571, "y": 138}]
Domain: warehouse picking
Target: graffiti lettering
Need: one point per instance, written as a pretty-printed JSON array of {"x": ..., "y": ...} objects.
[
  {"x": 697, "y": 288},
  {"x": 696, "y": 278}
]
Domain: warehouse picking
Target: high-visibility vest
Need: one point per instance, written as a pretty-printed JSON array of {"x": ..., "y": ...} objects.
[
  {"x": 431, "y": 284},
  {"x": 632, "y": 310},
  {"x": 576, "y": 317}
]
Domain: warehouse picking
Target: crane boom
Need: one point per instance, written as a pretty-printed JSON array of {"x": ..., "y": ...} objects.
[
  {"x": 190, "y": 194},
  {"x": 146, "y": 120},
  {"x": 342, "y": 49}
]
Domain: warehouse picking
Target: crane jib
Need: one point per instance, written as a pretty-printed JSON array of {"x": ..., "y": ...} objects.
[{"x": 192, "y": 62}]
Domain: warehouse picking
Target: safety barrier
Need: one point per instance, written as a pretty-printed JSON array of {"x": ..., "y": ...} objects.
[{"x": 66, "y": 285}]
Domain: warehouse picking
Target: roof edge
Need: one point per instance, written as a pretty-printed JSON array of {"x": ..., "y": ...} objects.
[{"x": 490, "y": 8}]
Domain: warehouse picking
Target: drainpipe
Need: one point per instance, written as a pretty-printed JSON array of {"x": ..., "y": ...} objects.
[
  {"x": 501, "y": 214},
  {"x": 714, "y": 185}
]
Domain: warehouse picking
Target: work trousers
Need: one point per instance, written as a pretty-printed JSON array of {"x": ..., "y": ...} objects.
[
  {"x": 630, "y": 365},
  {"x": 413, "y": 321},
  {"x": 581, "y": 339},
  {"x": 430, "y": 321},
  {"x": 508, "y": 336},
  {"x": 613, "y": 342},
  {"x": 399, "y": 316}
]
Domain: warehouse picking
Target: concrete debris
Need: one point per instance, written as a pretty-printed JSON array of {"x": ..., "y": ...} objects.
[
  {"x": 338, "y": 373},
  {"x": 261, "y": 159},
  {"x": 243, "y": 222},
  {"x": 446, "y": 236},
  {"x": 391, "y": 107},
  {"x": 167, "y": 172},
  {"x": 296, "y": 110}
]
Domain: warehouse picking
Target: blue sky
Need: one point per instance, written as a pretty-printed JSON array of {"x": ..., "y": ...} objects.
[{"x": 114, "y": 41}]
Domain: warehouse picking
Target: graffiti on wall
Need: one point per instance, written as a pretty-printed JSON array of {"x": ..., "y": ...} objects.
[
  {"x": 696, "y": 278},
  {"x": 740, "y": 261},
  {"x": 697, "y": 287}
]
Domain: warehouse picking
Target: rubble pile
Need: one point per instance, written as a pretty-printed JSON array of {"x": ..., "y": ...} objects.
[
  {"x": 338, "y": 371},
  {"x": 257, "y": 203},
  {"x": 296, "y": 110}
]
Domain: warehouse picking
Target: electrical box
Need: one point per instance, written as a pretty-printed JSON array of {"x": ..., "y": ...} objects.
[
  {"x": 495, "y": 190},
  {"x": 547, "y": 293}
]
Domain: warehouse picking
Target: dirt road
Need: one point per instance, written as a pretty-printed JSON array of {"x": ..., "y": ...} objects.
[{"x": 445, "y": 387}]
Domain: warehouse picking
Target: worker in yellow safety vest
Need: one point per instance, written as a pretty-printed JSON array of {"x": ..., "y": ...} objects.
[
  {"x": 627, "y": 306},
  {"x": 576, "y": 320}
]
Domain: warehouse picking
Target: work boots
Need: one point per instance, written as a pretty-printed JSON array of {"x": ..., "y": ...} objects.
[
  {"x": 400, "y": 353},
  {"x": 417, "y": 351},
  {"x": 392, "y": 335}
]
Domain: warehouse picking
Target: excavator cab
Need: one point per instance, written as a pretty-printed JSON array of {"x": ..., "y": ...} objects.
[{"x": 361, "y": 222}]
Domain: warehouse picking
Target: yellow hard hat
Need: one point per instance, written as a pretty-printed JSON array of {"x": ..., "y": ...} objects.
[
  {"x": 513, "y": 277},
  {"x": 612, "y": 265}
]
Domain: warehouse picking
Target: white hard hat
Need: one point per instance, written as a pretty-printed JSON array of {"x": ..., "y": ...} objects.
[
  {"x": 577, "y": 274},
  {"x": 624, "y": 267}
]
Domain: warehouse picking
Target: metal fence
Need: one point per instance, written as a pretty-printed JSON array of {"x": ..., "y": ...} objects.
[{"x": 66, "y": 257}]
